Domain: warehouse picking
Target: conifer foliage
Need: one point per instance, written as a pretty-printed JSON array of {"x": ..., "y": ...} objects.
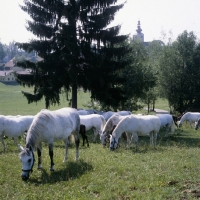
[{"x": 78, "y": 50}]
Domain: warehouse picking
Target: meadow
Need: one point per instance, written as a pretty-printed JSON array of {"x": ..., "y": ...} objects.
[{"x": 171, "y": 171}]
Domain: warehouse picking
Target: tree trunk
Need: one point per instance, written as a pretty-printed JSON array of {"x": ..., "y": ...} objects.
[
  {"x": 153, "y": 106},
  {"x": 74, "y": 95}
]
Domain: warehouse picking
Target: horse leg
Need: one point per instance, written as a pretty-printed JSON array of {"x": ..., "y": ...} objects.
[
  {"x": 167, "y": 130},
  {"x": 77, "y": 144},
  {"x": 158, "y": 135},
  {"x": 190, "y": 124},
  {"x": 151, "y": 138},
  {"x": 86, "y": 138},
  {"x": 83, "y": 133},
  {"x": 39, "y": 153},
  {"x": 83, "y": 137},
  {"x": 66, "y": 150},
  {"x": 154, "y": 139},
  {"x": 15, "y": 140},
  {"x": 128, "y": 139},
  {"x": 3, "y": 143},
  {"x": 95, "y": 134},
  {"x": 135, "y": 137},
  {"x": 51, "y": 156}
]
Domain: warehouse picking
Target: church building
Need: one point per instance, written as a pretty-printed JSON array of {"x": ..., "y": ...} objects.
[{"x": 139, "y": 35}]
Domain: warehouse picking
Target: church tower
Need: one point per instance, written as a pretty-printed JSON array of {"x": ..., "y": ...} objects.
[{"x": 139, "y": 35}]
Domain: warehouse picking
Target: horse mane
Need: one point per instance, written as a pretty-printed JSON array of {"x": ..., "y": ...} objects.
[
  {"x": 110, "y": 121},
  {"x": 25, "y": 151},
  {"x": 121, "y": 122},
  {"x": 35, "y": 128}
]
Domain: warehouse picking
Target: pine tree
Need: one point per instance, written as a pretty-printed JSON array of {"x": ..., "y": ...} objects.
[{"x": 78, "y": 50}]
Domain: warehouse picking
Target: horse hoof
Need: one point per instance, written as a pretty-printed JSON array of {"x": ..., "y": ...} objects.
[{"x": 52, "y": 169}]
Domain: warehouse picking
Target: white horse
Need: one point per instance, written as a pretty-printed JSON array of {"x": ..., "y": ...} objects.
[
  {"x": 189, "y": 116},
  {"x": 49, "y": 126},
  {"x": 83, "y": 112},
  {"x": 93, "y": 121},
  {"x": 137, "y": 126},
  {"x": 90, "y": 111},
  {"x": 112, "y": 121},
  {"x": 108, "y": 114},
  {"x": 167, "y": 122},
  {"x": 14, "y": 126}
]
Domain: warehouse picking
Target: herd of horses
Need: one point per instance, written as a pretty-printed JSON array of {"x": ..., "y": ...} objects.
[{"x": 49, "y": 126}]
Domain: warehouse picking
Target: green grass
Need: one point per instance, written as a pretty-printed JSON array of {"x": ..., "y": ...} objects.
[
  {"x": 169, "y": 172},
  {"x": 12, "y": 101}
]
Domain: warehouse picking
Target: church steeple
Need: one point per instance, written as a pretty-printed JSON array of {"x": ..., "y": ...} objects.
[
  {"x": 139, "y": 35},
  {"x": 138, "y": 30}
]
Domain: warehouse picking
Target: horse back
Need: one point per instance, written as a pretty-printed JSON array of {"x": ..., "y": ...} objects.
[
  {"x": 49, "y": 125},
  {"x": 191, "y": 116},
  {"x": 165, "y": 119}
]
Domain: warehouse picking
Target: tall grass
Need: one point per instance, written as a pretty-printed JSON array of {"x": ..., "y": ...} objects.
[{"x": 169, "y": 172}]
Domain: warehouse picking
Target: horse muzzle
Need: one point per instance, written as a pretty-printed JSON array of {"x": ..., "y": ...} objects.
[
  {"x": 112, "y": 148},
  {"x": 25, "y": 177}
]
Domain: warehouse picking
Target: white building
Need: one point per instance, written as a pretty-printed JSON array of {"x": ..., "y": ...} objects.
[
  {"x": 7, "y": 76},
  {"x": 8, "y": 72}
]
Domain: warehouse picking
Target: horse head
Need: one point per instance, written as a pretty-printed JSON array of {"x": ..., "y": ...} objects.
[
  {"x": 103, "y": 138},
  {"x": 113, "y": 143},
  {"x": 179, "y": 124},
  {"x": 196, "y": 126},
  {"x": 27, "y": 158}
]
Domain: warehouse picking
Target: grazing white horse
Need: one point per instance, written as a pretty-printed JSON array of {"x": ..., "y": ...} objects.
[
  {"x": 189, "y": 116},
  {"x": 49, "y": 126},
  {"x": 167, "y": 122},
  {"x": 108, "y": 114},
  {"x": 14, "y": 126},
  {"x": 137, "y": 126},
  {"x": 83, "y": 112},
  {"x": 112, "y": 121},
  {"x": 93, "y": 121},
  {"x": 90, "y": 111}
]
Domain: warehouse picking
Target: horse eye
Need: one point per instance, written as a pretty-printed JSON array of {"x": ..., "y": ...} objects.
[{"x": 29, "y": 160}]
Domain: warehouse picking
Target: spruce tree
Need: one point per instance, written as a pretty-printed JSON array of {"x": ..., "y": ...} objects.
[{"x": 78, "y": 50}]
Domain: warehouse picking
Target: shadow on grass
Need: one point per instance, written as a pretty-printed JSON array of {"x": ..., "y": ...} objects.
[
  {"x": 10, "y": 83},
  {"x": 181, "y": 138},
  {"x": 72, "y": 171}
]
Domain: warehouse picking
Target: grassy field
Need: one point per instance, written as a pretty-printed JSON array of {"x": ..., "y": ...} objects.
[
  {"x": 12, "y": 101},
  {"x": 169, "y": 172}
]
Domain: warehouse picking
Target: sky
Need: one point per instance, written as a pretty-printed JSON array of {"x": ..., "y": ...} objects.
[{"x": 158, "y": 18}]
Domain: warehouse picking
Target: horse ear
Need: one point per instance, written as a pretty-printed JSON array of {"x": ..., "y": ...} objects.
[{"x": 20, "y": 147}]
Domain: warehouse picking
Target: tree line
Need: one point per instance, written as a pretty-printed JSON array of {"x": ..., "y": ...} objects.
[
  {"x": 11, "y": 51},
  {"x": 80, "y": 51}
]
